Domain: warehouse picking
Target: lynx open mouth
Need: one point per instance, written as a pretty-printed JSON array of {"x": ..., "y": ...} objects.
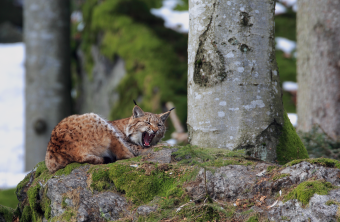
[{"x": 147, "y": 138}]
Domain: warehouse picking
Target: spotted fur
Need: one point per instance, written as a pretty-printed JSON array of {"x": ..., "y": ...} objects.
[{"x": 88, "y": 138}]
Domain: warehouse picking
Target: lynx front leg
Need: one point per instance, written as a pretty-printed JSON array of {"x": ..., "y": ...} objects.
[
  {"x": 92, "y": 159},
  {"x": 121, "y": 151}
]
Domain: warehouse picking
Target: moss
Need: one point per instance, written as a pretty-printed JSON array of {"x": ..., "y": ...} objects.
[
  {"x": 8, "y": 198},
  {"x": 33, "y": 196},
  {"x": 7, "y": 213},
  {"x": 254, "y": 218},
  {"x": 26, "y": 214},
  {"x": 38, "y": 205},
  {"x": 212, "y": 157},
  {"x": 271, "y": 168},
  {"x": 139, "y": 187},
  {"x": 332, "y": 202},
  {"x": 305, "y": 190},
  {"x": 100, "y": 179},
  {"x": 69, "y": 168},
  {"x": 320, "y": 161},
  {"x": 290, "y": 146},
  {"x": 276, "y": 177},
  {"x": 68, "y": 215},
  {"x": 24, "y": 182}
]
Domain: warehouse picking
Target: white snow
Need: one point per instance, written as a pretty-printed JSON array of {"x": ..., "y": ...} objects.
[
  {"x": 289, "y": 3},
  {"x": 280, "y": 9},
  {"x": 12, "y": 81},
  {"x": 171, "y": 142},
  {"x": 293, "y": 118},
  {"x": 290, "y": 86},
  {"x": 177, "y": 20},
  {"x": 286, "y": 45}
]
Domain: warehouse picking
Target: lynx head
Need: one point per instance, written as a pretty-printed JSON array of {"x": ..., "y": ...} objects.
[{"x": 146, "y": 129}]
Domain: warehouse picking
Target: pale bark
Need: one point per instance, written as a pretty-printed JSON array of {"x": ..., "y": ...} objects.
[
  {"x": 318, "y": 32},
  {"x": 234, "y": 93},
  {"x": 47, "y": 39}
]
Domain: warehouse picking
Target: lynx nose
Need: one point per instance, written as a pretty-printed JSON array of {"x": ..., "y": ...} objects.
[{"x": 153, "y": 131}]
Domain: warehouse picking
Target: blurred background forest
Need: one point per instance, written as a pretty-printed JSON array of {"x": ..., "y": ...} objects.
[{"x": 123, "y": 50}]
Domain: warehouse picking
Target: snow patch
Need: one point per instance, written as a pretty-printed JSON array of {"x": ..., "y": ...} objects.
[
  {"x": 223, "y": 103},
  {"x": 290, "y": 86},
  {"x": 293, "y": 118},
  {"x": 177, "y": 20},
  {"x": 285, "y": 45},
  {"x": 12, "y": 118}
]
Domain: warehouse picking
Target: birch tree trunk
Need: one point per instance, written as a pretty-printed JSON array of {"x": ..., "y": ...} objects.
[
  {"x": 47, "y": 39},
  {"x": 234, "y": 93},
  {"x": 319, "y": 65}
]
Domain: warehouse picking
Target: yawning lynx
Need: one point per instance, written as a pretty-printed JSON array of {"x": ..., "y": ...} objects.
[{"x": 89, "y": 138}]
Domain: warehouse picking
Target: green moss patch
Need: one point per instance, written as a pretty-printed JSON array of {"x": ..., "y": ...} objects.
[
  {"x": 332, "y": 202},
  {"x": 276, "y": 177},
  {"x": 305, "y": 190},
  {"x": 100, "y": 179},
  {"x": 7, "y": 213},
  {"x": 319, "y": 161},
  {"x": 142, "y": 188},
  {"x": 290, "y": 146},
  {"x": 210, "y": 157},
  {"x": 68, "y": 215},
  {"x": 271, "y": 168},
  {"x": 38, "y": 204}
]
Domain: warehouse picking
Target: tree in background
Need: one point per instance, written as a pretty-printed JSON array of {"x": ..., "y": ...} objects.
[
  {"x": 48, "y": 100},
  {"x": 154, "y": 56},
  {"x": 234, "y": 93},
  {"x": 319, "y": 66}
]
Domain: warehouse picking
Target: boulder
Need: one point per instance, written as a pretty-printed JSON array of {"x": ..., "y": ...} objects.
[{"x": 183, "y": 183}]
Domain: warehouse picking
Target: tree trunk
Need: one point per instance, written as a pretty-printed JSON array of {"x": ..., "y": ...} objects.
[
  {"x": 234, "y": 93},
  {"x": 47, "y": 39},
  {"x": 319, "y": 66}
]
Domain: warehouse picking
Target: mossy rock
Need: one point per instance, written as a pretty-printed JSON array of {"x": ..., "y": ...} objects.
[
  {"x": 305, "y": 190},
  {"x": 326, "y": 162},
  {"x": 168, "y": 188},
  {"x": 6, "y": 214}
]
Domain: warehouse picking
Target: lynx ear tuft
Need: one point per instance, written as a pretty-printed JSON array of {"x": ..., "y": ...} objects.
[
  {"x": 134, "y": 102},
  {"x": 172, "y": 109},
  {"x": 137, "y": 112},
  {"x": 165, "y": 115}
]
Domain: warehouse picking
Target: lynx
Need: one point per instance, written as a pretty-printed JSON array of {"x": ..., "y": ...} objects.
[{"x": 88, "y": 138}]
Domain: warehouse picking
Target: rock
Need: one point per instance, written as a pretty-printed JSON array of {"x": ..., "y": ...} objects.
[
  {"x": 162, "y": 156},
  {"x": 145, "y": 210},
  {"x": 91, "y": 207},
  {"x": 165, "y": 188}
]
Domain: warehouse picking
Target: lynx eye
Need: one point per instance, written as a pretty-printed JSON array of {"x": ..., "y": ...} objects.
[
  {"x": 148, "y": 123},
  {"x": 159, "y": 124}
]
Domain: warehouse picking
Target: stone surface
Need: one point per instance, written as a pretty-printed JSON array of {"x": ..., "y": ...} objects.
[
  {"x": 146, "y": 210},
  {"x": 236, "y": 185},
  {"x": 91, "y": 206}
]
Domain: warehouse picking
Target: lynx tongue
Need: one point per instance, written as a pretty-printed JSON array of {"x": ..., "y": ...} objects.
[{"x": 147, "y": 139}]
